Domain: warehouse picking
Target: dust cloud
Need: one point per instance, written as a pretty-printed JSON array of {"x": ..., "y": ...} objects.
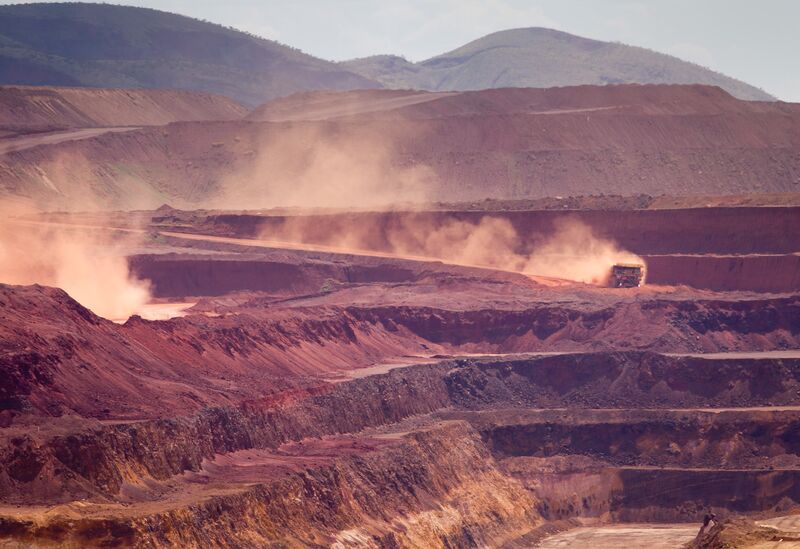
[
  {"x": 571, "y": 252},
  {"x": 89, "y": 265},
  {"x": 308, "y": 167},
  {"x": 574, "y": 252}
]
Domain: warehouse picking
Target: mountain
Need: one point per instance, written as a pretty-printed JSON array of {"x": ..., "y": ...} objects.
[
  {"x": 99, "y": 45},
  {"x": 542, "y": 58}
]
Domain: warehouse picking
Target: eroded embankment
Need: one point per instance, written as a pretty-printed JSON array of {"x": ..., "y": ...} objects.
[
  {"x": 59, "y": 358},
  {"x": 185, "y": 481},
  {"x": 436, "y": 488}
]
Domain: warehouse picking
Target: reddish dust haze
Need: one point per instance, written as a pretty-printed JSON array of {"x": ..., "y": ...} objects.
[
  {"x": 89, "y": 265},
  {"x": 313, "y": 168},
  {"x": 572, "y": 252}
]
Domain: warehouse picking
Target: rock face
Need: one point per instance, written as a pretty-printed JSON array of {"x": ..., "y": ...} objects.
[
  {"x": 435, "y": 488},
  {"x": 429, "y": 455}
]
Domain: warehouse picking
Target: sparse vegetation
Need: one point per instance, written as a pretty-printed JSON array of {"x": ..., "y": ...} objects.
[
  {"x": 543, "y": 58},
  {"x": 103, "y": 45}
]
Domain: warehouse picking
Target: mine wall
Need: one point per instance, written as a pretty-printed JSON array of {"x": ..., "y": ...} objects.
[
  {"x": 103, "y": 459},
  {"x": 272, "y": 349},
  {"x": 757, "y": 273},
  {"x": 180, "y": 275},
  {"x": 627, "y": 380},
  {"x": 682, "y": 326},
  {"x": 108, "y": 456},
  {"x": 172, "y": 275},
  {"x": 688, "y": 440},
  {"x": 97, "y": 462}
]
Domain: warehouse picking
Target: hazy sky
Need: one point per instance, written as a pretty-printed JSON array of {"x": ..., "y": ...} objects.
[{"x": 757, "y": 41}]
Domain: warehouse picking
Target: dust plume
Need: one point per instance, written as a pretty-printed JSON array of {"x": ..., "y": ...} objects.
[
  {"x": 571, "y": 251},
  {"x": 70, "y": 181},
  {"x": 574, "y": 252},
  {"x": 305, "y": 166},
  {"x": 88, "y": 264}
]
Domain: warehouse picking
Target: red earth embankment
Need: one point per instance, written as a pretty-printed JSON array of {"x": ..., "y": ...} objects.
[
  {"x": 759, "y": 273},
  {"x": 57, "y": 357}
]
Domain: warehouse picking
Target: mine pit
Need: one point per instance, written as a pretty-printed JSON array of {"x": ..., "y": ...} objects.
[
  {"x": 357, "y": 360},
  {"x": 309, "y": 387}
]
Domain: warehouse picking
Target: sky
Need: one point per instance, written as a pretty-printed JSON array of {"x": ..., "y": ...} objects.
[{"x": 757, "y": 41}]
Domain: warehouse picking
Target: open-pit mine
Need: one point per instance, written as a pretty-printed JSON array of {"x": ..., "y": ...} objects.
[{"x": 511, "y": 318}]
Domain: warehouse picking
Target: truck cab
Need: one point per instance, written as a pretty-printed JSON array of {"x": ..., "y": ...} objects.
[{"x": 627, "y": 275}]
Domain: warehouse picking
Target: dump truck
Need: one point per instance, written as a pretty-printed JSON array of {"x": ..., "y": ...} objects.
[{"x": 627, "y": 275}]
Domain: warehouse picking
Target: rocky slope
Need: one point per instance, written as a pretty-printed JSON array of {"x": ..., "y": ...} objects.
[{"x": 36, "y": 108}]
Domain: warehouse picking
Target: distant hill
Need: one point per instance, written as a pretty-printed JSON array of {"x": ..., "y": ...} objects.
[
  {"x": 543, "y": 58},
  {"x": 99, "y": 45},
  {"x": 25, "y": 108}
]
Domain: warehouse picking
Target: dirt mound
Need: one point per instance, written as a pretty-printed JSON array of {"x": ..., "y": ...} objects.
[
  {"x": 503, "y": 144},
  {"x": 26, "y": 107},
  {"x": 743, "y": 533}
]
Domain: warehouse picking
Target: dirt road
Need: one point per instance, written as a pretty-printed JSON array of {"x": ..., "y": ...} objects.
[
  {"x": 51, "y": 138},
  {"x": 630, "y": 536}
]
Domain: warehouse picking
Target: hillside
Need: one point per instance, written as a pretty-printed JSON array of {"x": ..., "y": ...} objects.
[
  {"x": 382, "y": 146},
  {"x": 25, "y": 108},
  {"x": 542, "y": 58},
  {"x": 98, "y": 45}
]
